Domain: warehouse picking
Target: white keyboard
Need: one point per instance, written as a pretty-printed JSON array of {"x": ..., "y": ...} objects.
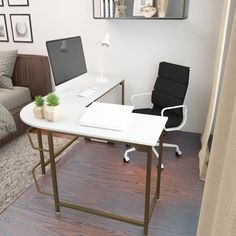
[{"x": 88, "y": 92}]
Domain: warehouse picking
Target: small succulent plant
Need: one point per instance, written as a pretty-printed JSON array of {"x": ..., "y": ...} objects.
[
  {"x": 52, "y": 99},
  {"x": 39, "y": 101}
]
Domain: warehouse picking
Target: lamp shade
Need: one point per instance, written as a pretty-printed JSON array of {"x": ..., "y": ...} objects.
[{"x": 106, "y": 41}]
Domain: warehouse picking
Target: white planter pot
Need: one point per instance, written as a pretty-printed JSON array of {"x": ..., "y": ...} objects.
[
  {"x": 52, "y": 113},
  {"x": 38, "y": 112}
]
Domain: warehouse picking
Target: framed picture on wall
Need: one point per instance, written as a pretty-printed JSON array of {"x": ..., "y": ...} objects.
[
  {"x": 16, "y": 3},
  {"x": 3, "y": 29},
  {"x": 1, "y": 3},
  {"x": 21, "y": 28},
  {"x": 138, "y": 4}
]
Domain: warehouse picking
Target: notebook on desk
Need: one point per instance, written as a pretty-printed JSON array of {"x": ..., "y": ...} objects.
[{"x": 106, "y": 116}]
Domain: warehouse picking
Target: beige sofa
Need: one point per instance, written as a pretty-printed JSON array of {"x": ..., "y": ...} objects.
[{"x": 31, "y": 77}]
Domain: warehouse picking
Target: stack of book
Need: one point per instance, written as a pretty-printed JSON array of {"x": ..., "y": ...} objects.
[{"x": 105, "y": 8}]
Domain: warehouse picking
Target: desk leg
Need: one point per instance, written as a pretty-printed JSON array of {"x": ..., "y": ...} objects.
[
  {"x": 40, "y": 143},
  {"x": 160, "y": 150},
  {"x": 54, "y": 173},
  {"x": 123, "y": 92},
  {"x": 148, "y": 187}
]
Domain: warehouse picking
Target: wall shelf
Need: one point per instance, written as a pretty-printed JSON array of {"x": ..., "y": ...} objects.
[
  {"x": 140, "y": 18},
  {"x": 106, "y": 9}
]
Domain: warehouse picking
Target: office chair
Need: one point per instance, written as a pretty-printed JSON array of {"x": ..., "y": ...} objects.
[{"x": 167, "y": 98}]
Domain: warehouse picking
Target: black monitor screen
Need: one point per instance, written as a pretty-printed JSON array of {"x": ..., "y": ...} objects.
[{"x": 66, "y": 58}]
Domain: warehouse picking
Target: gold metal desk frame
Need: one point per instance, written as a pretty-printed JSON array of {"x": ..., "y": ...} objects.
[{"x": 149, "y": 205}]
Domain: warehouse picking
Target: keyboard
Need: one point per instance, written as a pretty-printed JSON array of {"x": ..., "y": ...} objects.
[{"x": 88, "y": 92}]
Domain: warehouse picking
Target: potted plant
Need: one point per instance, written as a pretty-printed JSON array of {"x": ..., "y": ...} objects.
[
  {"x": 52, "y": 110},
  {"x": 38, "y": 109}
]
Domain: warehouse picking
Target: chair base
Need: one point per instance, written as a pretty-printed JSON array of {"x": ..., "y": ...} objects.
[
  {"x": 126, "y": 158},
  {"x": 178, "y": 153}
]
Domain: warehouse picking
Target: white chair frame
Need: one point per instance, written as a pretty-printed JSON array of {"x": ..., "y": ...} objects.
[{"x": 178, "y": 152}]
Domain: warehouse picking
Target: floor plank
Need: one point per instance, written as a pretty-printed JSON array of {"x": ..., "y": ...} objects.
[{"x": 93, "y": 174}]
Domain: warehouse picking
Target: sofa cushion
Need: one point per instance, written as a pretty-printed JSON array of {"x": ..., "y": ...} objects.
[
  {"x": 12, "y": 99},
  {"x": 7, "y": 64}
]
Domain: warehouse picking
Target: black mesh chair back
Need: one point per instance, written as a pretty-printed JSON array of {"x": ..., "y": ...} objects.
[
  {"x": 171, "y": 86},
  {"x": 169, "y": 90}
]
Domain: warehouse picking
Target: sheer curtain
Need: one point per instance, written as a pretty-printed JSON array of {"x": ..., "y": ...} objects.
[
  {"x": 204, "y": 152},
  {"x": 218, "y": 211}
]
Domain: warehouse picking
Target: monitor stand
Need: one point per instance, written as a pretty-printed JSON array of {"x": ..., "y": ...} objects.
[{"x": 72, "y": 84}]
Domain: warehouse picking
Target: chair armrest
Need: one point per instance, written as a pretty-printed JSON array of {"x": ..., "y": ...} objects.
[
  {"x": 138, "y": 95},
  {"x": 184, "y": 116}
]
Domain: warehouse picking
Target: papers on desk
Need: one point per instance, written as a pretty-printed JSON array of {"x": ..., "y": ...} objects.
[{"x": 106, "y": 116}]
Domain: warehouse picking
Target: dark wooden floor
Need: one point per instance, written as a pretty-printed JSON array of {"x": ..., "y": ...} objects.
[{"x": 94, "y": 175}]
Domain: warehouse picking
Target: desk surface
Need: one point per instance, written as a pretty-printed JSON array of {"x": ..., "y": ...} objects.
[{"x": 142, "y": 129}]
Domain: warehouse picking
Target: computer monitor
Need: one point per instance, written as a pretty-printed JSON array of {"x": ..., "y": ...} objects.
[{"x": 66, "y": 58}]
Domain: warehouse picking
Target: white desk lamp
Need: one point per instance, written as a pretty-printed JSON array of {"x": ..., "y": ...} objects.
[{"x": 105, "y": 43}]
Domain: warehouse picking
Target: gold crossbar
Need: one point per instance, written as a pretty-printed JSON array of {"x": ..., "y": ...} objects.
[
  {"x": 85, "y": 209},
  {"x": 102, "y": 213},
  {"x": 47, "y": 150},
  {"x": 28, "y": 131},
  {"x": 152, "y": 205}
]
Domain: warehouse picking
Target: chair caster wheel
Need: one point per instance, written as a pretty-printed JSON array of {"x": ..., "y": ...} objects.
[
  {"x": 126, "y": 159},
  {"x": 178, "y": 154},
  {"x": 162, "y": 166}
]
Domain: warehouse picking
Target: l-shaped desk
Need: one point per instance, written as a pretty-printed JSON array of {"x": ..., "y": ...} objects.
[{"x": 143, "y": 132}]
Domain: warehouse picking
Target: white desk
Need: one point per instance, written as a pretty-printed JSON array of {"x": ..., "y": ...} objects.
[{"x": 143, "y": 132}]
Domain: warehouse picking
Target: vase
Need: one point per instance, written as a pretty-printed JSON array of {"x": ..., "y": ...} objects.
[
  {"x": 52, "y": 113},
  {"x": 162, "y": 6},
  {"x": 148, "y": 11},
  {"x": 38, "y": 112},
  {"x": 117, "y": 14},
  {"x": 120, "y": 8}
]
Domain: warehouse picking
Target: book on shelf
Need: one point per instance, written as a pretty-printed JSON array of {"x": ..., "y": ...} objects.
[
  {"x": 106, "y": 8},
  {"x": 97, "y": 8},
  {"x": 102, "y": 8},
  {"x": 111, "y": 8}
]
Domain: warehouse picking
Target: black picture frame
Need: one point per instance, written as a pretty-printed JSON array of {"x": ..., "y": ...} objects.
[
  {"x": 21, "y": 28},
  {"x": 1, "y": 3},
  {"x": 3, "y": 29},
  {"x": 12, "y": 3}
]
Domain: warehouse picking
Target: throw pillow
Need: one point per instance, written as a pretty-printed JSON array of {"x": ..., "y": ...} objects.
[{"x": 7, "y": 64}]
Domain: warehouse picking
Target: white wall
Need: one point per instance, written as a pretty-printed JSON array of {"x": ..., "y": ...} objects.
[{"x": 137, "y": 45}]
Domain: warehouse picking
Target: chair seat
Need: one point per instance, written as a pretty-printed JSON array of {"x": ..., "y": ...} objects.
[{"x": 174, "y": 120}]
